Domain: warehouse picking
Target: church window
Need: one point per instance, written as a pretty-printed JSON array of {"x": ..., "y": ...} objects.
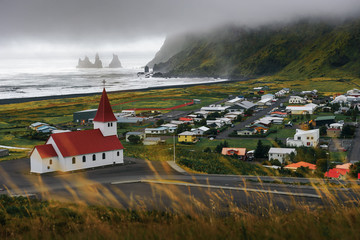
[
  {"x": 118, "y": 153},
  {"x": 84, "y": 158},
  {"x": 94, "y": 157},
  {"x": 50, "y": 161},
  {"x": 103, "y": 156},
  {"x": 73, "y": 160}
]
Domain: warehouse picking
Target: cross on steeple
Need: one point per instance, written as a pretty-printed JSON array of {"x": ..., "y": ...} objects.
[{"x": 104, "y": 82}]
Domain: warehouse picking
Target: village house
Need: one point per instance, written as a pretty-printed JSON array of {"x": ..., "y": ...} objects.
[
  {"x": 246, "y": 132},
  {"x": 200, "y": 131},
  {"x": 84, "y": 116},
  {"x": 295, "y": 166},
  {"x": 307, "y": 138},
  {"x": 333, "y": 132},
  {"x": 77, "y": 150},
  {"x": 280, "y": 154},
  {"x": 239, "y": 152},
  {"x": 306, "y": 109},
  {"x": 324, "y": 120},
  {"x": 214, "y": 108},
  {"x": 233, "y": 101},
  {"x": 297, "y": 100},
  {"x": 159, "y": 130},
  {"x": 187, "y": 136},
  {"x": 337, "y": 173},
  {"x": 171, "y": 128}
]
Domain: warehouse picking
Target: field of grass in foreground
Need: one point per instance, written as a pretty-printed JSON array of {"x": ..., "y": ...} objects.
[{"x": 21, "y": 218}]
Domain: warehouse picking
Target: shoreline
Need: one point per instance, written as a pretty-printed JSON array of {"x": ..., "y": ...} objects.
[{"x": 76, "y": 95}]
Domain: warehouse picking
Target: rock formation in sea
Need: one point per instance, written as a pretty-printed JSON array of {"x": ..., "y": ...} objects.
[
  {"x": 86, "y": 63},
  {"x": 115, "y": 62}
]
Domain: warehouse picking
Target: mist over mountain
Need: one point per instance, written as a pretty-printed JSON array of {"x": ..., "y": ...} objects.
[{"x": 303, "y": 48}]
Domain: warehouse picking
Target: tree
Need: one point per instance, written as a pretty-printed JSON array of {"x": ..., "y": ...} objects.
[
  {"x": 322, "y": 130},
  {"x": 182, "y": 128},
  {"x": 348, "y": 131},
  {"x": 261, "y": 150},
  {"x": 160, "y": 122},
  {"x": 355, "y": 170},
  {"x": 220, "y": 146},
  {"x": 134, "y": 139},
  {"x": 207, "y": 150}
]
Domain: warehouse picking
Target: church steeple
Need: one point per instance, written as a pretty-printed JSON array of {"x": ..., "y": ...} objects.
[{"x": 105, "y": 119}]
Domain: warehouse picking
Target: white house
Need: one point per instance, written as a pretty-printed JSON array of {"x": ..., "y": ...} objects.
[
  {"x": 308, "y": 108},
  {"x": 200, "y": 131},
  {"x": 297, "y": 100},
  {"x": 159, "y": 130},
  {"x": 268, "y": 96},
  {"x": 307, "y": 138},
  {"x": 214, "y": 108},
  {"x": 233, "y": 101},
  {"x": 69, "y": 151},
  {"x": 171, "y": 128},
  {"x": 280, "y": 153}
]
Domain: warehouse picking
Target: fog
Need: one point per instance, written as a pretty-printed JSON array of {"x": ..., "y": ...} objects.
[{"x": 73, "y": 27}]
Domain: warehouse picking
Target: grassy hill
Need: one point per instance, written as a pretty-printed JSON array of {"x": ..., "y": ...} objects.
[{"x": 302, "y": 49}]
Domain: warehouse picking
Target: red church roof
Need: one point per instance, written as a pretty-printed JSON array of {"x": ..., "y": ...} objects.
[
  {"x": 46, "y": 151},
  {"x": 85, "y": 142},
  {"x": 104, "y": 112}
]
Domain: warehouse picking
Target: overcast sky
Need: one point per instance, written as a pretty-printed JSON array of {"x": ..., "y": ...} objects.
[{"x": 138, "y": 25}]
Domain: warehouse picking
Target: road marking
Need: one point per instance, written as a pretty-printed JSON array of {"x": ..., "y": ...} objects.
[{"x": 169, "y": 182}]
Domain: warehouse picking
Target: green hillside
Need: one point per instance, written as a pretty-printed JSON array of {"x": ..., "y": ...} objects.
[{"x": 302, "y": 49}]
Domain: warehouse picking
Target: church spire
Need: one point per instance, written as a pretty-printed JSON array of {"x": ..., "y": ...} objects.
[{"x": 104, "y": 112}]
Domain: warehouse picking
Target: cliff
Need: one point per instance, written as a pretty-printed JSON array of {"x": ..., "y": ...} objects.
[{"x": 306, "y": 48}]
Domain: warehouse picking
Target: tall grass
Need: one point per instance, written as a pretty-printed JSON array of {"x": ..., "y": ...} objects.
[{"x": 84, "y": 209}]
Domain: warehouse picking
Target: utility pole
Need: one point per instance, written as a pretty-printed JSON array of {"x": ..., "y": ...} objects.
[{"x": 174, "y": 147}]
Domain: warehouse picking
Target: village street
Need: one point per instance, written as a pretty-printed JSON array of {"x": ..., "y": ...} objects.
[{"x": 135, "y": 182}]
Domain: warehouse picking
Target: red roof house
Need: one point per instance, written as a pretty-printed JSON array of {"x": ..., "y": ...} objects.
[
  {"x": 70, "y": 151},
  {"x": 336, "y": 173}
]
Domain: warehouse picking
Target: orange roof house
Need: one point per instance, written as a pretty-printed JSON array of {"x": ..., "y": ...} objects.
[
  {"x": 295, "y": 166},
  {"x": 240, "y": 152}
]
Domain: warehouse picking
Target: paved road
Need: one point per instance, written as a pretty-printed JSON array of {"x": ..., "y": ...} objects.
[
  {"x": 256, "y": 115},
  {"x": 157, "y": 185},
  {"x": 354, "y": 154}
]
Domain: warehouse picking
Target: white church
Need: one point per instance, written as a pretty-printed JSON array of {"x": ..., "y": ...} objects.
[{"x": 69, "y": 151}]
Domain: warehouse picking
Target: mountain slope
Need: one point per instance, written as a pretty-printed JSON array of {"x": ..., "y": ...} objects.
[{"x": 302, "y": 49}]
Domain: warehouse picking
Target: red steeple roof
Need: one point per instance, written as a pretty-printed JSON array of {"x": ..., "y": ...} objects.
[{"x": 104, "y": 112}]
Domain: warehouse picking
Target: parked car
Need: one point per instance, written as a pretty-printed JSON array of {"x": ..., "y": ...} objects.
[{"x": 289, "y": 124}]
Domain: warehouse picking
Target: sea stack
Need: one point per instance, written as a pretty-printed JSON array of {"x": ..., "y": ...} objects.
[
  {"x": 115, "y": 62},
  {"x": 87, "y": 64}
]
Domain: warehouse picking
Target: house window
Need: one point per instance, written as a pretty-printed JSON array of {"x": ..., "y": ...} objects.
[
  {"x": 307, "y": 137},
  {"x": 299, "y": 138},
  {"x": 73, "y": 160},
  {"x": 312, "y": 137},
  {"x": 84, "y": 158},
  {"x": 108, "y": 124},
  {"x": 103, "y": 156},
  {"x": 118, "y": 153},
  {"x": 94, "y": 157},
  {"x": 50, "y": 161}
]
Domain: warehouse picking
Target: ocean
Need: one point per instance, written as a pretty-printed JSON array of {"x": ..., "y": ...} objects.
[{"x": 39, "y": 77}]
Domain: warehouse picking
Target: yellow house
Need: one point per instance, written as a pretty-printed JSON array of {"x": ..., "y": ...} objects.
[{"x": 187, "y": 137}]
